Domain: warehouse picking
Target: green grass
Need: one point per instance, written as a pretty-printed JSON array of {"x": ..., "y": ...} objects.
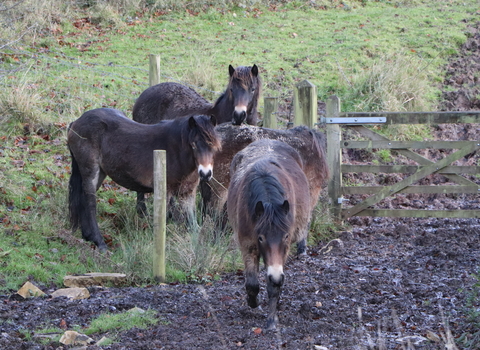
[
  {"x": 336, "y": 49},
  {"x": 471, "y": 339},
  {"x": 122, "y": 321},
  {"x": 106, "y": 323}
]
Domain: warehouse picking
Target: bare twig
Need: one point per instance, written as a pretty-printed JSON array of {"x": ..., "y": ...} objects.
[
  {"x": 13, "y": 6},
  {"x": 17, "y": 39}
]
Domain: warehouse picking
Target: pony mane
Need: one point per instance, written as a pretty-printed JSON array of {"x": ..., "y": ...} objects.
[{"x": 264, "y": 187}]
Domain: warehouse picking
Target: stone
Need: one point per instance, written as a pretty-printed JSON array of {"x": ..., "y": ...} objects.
[
  {"x": 30, "y": 290},
  {"x": 136, "y": 310},
  {"x": 75, "y": 338},
  {"x": 104, "y": 341},
  {"x": 72, "y": 293},
  {"x": 95, "y": 279}
]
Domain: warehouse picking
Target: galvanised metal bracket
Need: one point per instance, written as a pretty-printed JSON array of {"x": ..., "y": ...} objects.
[{"x": 369, "y": 120}]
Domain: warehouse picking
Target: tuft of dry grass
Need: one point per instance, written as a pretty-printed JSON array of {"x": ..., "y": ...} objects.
[
  {"x": 396, "y": 83},
  {"x": 199, "y": 251},
  {"x": 20, "y": 105},
  {"x": 393, "y": 84},
  {"x": 380, "y": 338}
]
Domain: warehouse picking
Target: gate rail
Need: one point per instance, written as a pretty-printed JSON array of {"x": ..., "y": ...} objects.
[{"x": 334, "y": 120}]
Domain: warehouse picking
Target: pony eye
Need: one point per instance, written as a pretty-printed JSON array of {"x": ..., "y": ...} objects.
[
  {"x": 260, "y": 239},
  {"x": 194, "y": 145}
]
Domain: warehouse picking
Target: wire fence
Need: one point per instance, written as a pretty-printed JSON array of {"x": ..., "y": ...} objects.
[
  {"x": 82, "y": 84},
  {"x": 89, "y": 83}
]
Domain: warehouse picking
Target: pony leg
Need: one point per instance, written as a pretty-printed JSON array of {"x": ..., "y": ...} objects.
[
  {"x": 252, "y": 286},
  {"x": 88, "y": 219},
  {"x": 187, "y": 209},
  {"x": 273, "y": 290},
  {"x": 206, "y": 194},
  {"x": 302, "y": 247},
  {"x": 83, "y": 204},
  {"x": 141, "y": 207}
]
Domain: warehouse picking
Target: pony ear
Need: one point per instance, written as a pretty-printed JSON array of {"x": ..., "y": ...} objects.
[
  {"x": 255, "y": 70},
  {"x": 231, "y": 70},
  {"x": 286, "y": 207},
  {"x": 192, "y": 122},
  {"x": 259, "y": 209},
  {"x": 213, "y": 120}
]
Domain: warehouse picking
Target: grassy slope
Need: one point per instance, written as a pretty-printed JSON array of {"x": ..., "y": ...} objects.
[{"x": 78, "y": 69}]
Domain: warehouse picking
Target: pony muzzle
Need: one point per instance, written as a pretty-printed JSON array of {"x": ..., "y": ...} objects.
[
  {"x": 275, "y": 275},
  {"x": 239, "y": 115},
  {"x": 205, "y": 172}
]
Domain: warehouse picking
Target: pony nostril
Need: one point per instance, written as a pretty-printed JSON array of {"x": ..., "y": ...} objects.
[
  {"x": 238, "y": 117},
  {"x": 205, "y": 176}
]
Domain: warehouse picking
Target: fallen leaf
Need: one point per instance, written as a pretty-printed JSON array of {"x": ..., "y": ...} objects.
[
  {"x": 2, "y": 254},
  {"x": 63, "y": 324}
]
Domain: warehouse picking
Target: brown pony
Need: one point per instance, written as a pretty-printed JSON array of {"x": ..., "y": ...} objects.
[
  {"x": 169, "y": 100},
  {"x": 269, "y": 208},
  {"x": 104, "y": 142},
  {"x": 310, "y": 145}
]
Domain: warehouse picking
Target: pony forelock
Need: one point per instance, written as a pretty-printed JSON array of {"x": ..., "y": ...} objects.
[
  {"x": 266, "y": 188},
  {"x": 207, "y": 131}
]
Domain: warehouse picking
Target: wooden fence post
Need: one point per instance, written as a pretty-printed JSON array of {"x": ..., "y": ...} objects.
[
  {"x": 305, "y": 104},
  {"x": 270, "y": 107},
  {"x": 154, "y": 70},
  {"x": 334, "y": 157},
  {"x": 159, "y": 212}
]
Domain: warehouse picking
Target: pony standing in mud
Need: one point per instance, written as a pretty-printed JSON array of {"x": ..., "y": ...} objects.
[
  {"x": 269, "y": 208},
  {"x": 309, "y": 143}
]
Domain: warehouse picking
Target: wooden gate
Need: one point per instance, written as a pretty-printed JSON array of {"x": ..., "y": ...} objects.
[{"x": 334, "y": 119}]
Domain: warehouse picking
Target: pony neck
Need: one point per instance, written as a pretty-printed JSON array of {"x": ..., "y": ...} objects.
[{"x": 224, "y": 104}]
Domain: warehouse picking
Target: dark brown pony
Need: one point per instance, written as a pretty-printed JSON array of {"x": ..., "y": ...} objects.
[
  {"x": 309, "y": 143},
  {"x": 172, "y": 100},
  {"x": 169, "y": 100},
  {"x": 269, "y": 208},
  {"x": 104, "y": 142}
]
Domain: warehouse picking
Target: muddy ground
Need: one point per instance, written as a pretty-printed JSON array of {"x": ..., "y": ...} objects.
[{"x": 383, "y": 284}]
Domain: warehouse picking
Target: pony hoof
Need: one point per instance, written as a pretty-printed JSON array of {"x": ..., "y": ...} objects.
[
  {"x": 142, "y": 213},
  {"x": 252, "y": 302},
  {"x": 103, "y": 249},
  {"x": 302, "y": 255},
  {"x": 271, "y": 325}
]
